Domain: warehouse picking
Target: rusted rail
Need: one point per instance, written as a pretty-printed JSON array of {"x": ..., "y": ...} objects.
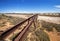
[{"x": 20, "y": 34}]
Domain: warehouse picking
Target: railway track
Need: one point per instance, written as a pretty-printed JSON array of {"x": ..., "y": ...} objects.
[{"x": 20, "y": 35}]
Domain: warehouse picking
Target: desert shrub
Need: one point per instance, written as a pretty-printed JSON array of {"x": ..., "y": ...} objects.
[
  {"x": 3, "y": 16},
  {"x": 1, "y": 25},
  {"x": 43, "y": 36},
  {"x": 57, "y": 27},
  {"x": 49, "y": 26},
  {"x": 15, "y": 20}
]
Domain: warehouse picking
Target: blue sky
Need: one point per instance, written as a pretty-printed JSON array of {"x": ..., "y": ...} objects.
[{"x": 18, "y": 6}]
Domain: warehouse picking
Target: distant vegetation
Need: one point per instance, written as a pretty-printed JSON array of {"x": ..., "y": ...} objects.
[{"x": 50, "y": 14}]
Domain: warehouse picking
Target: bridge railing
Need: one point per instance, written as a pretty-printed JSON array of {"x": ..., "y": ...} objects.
[{"x": 18, "y": 37}]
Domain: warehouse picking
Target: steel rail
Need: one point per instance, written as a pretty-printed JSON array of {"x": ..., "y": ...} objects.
[{"x": 20, "y": 35}]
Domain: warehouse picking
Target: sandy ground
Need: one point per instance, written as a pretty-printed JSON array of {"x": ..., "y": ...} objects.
[
  {"x": 50, "y": 19},
  {"x": 53, "y": 36}
]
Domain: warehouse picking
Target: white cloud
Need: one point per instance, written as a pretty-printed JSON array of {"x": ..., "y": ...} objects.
[{"x": 57, "y": 6}]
